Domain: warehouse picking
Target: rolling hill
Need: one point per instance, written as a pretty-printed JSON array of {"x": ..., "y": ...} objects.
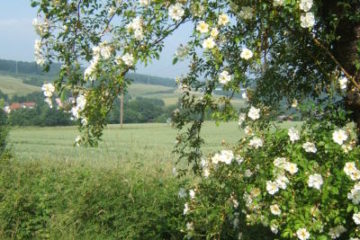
[
  {"x": 12, "y": 85},
  {"x": 22, "y": 78},
  {"x": 15, "y": 86}
]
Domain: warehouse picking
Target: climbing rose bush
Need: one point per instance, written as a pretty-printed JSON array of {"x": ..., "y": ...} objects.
[{"x": 301, "y": 182}]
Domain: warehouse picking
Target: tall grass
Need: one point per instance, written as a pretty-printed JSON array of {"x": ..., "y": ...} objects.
[
  {"x": 57, "y": 200},
  {"x": 122, "y": 190}
]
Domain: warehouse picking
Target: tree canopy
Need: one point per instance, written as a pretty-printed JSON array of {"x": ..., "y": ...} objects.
[{"x": 301, "y": 53}]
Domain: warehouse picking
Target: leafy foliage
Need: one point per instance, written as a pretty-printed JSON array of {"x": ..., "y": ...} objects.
[
  {"x": 281, "y": 51},
  {"x": 3, "y": 131},
  {"x": 65, "y": 201},
  {"x": 234, "y": 197}
]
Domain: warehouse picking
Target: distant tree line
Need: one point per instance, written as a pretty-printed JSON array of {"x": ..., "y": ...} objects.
[
  {"x": 20, "y": 67},
  {"x": 138, "y": 110},
  {"x": 33, "y": 74},
  {"x": 141, "y": 110},
  {"x": 41, "y": 115},
  {"x": 147, "y": 79}
]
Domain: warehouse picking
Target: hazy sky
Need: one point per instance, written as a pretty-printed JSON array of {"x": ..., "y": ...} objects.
[{"x": 18, "y": 36}]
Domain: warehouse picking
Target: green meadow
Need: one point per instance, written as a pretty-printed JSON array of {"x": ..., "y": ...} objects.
[
  {"x": 132, "y": 143},
  {"x": 11, "y": 86},
  {"x": 123, "y": 189}
]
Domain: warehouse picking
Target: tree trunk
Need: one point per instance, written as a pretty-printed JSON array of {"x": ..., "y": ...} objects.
[
  {"x": 346, "y": 49},
  {"x": 347, "y": 52}
]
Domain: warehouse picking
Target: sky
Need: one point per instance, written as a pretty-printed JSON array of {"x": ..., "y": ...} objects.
[{"x": 18, "y": 36}]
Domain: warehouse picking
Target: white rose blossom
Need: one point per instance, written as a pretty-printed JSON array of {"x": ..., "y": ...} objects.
[
  {"x": 224, "y": 77},
  {"x": 202, "y": 27},
  {"x": 291, "y": 168},
  {"x": 225, "y": 156},
  {"x": 246, "y": 54},
  {"x": 48, "y": 89},
  {"x": 315, "y": 181},
  {"x": 136, "y": 26},
  {"x": 248, "y": 173},
  {"x": 78, "y": 141},
  {"x": 340, "y": 136},
  {"x": 89, "y": 73},
  {"x": 244, "y": 96},
  {"x": 309, "y": 147},
  {"x": 343, "y": 83},
  {"x": 282, "y": 182},
  {"x": 274, "y": 228},
  {"x": 271, "y": 187},
  {"x": 302, "y": 234},
  {"x": 256, "y": 143},
  {"x": 128, "y": 59},
  {"x": 223, "y": 19},
  {"x": 79, "y": 107},
  {"x": 192, "y": 193},
  {"x": 280, "y": 162},
  {"x": 206, "y": 172},
  {"x": 242, "y": 118},
  {"x": 356, "y": 218},
  {"x": 306, "y": 5},
  {"x": 41, "y": 27},
  {"x": 49, "y": 102},
  {"x": 209, "y": 43},
  {"x": 239, "y": 159},
  {"x": 354, "y": 194},
  {"x": 294, "y": 103},
  {"x": 294, "y": 134},
  {"x": 176, "y": 11},
  {"x": 278, "y": 3},
  {"x": 144, "y": 3},
  {"x": 336, "y": 232},
  {"x": 307, "y": 20},
  {"x": 248, "y": 130},
  {"x": 186, "y": 208},
  {"x": 275, "y": 209},
  {"x": 38, "y": 53},
  {"x": 254, "y": 113},
  {"x": 214, "y": 32},
  {"x": 351, "y": 171}
]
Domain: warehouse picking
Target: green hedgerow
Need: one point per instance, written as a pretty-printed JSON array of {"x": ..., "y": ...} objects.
[{"x": 60, "y": 201}]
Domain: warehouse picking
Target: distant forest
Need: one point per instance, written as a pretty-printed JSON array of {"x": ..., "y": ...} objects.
[{"x": 34, "y": 75}]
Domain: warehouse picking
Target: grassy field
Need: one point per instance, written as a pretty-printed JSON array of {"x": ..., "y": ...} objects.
[
  {"x": 134, "y": 143},
  {"x": 124, "y": 189},
  {"x": 11, "y": 86}
]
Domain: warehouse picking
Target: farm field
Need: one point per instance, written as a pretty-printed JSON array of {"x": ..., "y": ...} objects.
[
  {"x": 145, "y": 145},
  {"x": 135, "y": 142},
  {"x": 11, "y": 86},
  {"x": 14, "y": 85}
]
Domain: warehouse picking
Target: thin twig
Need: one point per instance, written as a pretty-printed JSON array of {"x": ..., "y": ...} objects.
[{"x": 349, "y": 76}]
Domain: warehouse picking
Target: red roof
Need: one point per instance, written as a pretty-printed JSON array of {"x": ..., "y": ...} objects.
[
  {"x": 15, "y": 106},
  {"x": 29, "y": 104}
]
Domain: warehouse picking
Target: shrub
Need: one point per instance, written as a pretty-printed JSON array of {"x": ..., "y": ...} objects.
[
  {"x": 3, "y": 131},
  {"x": 297, "y": 183},
  {"x": 58, "y": 201}
]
